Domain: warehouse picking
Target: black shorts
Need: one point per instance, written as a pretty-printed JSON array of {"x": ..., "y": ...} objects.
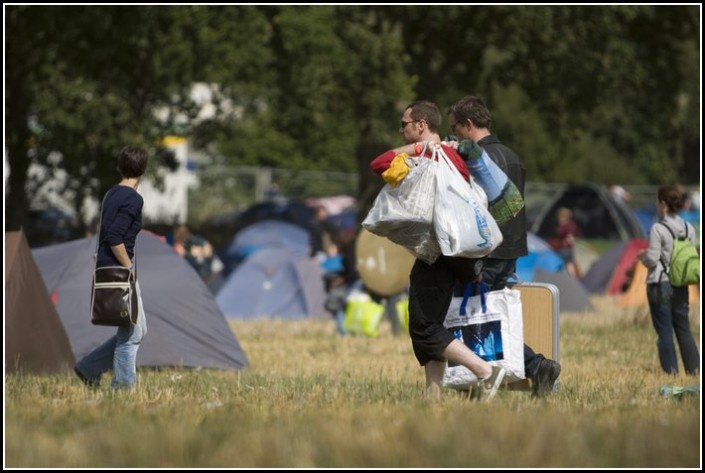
[{"x": 430, "y": 293}]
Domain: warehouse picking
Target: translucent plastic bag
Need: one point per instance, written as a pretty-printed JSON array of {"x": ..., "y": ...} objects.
[
  {"x": 463, "y": 225},
  {"x": 404, "y": 214}
]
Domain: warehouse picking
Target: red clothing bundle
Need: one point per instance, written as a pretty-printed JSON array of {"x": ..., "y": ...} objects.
[{"x": 381, "y": 163}]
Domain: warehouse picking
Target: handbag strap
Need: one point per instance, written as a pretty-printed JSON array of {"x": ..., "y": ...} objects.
[{"x": 470, "y": 290}]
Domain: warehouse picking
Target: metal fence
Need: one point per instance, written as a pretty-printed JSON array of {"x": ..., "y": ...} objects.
[{"x": 225, "y": 189}]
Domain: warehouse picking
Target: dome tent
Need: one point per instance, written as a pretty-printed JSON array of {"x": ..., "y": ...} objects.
[{"x": 185, "y": 326}]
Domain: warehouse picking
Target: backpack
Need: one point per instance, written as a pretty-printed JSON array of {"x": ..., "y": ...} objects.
[{"x": 684, "y": 268}]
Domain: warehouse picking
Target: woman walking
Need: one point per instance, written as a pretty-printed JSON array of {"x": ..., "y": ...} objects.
[{"x": 120, "y": 222}]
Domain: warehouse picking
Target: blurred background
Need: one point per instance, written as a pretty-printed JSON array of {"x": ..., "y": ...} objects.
[{"x": 247, "y": 105}]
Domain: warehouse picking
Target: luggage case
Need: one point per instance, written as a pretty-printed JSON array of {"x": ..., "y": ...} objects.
[{"x": 541, "y": 308}]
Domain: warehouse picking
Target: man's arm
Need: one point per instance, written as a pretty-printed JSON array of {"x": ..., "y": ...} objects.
[{"x": 382, "y": 162}]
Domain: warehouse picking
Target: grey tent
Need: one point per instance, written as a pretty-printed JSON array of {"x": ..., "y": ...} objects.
[
  {"x": 574, "y": 296},
  {"x": 185, "y": 326},
  {"x": 35, "y": 340}
]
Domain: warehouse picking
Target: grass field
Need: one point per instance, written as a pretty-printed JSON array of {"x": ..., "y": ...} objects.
[{"x": 311, "y": 399}]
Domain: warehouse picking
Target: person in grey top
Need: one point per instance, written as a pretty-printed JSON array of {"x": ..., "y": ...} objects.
[{"x": 669, "y": 304}]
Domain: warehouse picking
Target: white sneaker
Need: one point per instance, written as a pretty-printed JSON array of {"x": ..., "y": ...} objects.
[{"x": 486, "y": 388}]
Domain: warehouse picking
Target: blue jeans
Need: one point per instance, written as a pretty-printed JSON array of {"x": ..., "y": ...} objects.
[
  {"x": 495, "y": 275},
  {"x": 339, "y": 321},
  {"x": 118, "y": 353},
  {"x": 669, "y": 313}
]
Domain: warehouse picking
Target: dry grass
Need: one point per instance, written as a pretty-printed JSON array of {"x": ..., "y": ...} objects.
[{"x": 313, "y": 399}]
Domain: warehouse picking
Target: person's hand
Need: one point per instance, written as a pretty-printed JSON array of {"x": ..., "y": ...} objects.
[{"x": 451, "y": 144}]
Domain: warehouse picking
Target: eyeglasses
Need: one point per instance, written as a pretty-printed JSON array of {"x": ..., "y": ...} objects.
[{"x": 403, "y": 124}]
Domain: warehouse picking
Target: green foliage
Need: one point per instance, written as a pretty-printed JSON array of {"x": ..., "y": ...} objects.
[
  {"x": 99, "y": 75},
  {"x": 580, "y": 92},
  {"x": 518, "y": 123},
  {"x": 612, "y": 73},
  {"x": 620, "y": 77}
]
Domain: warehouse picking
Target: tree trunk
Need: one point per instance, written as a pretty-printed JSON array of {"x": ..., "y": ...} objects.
[{"x": 16, "y": 202}]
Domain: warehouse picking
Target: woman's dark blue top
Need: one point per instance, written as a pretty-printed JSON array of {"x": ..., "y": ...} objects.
[{"x": 121, "y": 221}]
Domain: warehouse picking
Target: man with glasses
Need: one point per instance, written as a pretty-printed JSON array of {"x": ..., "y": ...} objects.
[
  {"x": 431, "y": 286},
  {"x": 470, "y": 120}
]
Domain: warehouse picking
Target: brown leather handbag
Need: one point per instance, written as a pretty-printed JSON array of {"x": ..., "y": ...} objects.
[
  {"x": 114, "y": 297},
  {"x": 114, "y": 291}
]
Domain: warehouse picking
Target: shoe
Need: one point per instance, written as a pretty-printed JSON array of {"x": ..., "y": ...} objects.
[
  {"x": 545, "y": 380},
  {"x": 486, "y": 388},
  {"x": 91, "y": 383}
]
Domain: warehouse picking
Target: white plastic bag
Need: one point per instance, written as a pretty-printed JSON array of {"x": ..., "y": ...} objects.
[
  {"x": 463, "y": 225},
  {"x": 491, "y": 325},
  {"x": 404, "y": 214}
]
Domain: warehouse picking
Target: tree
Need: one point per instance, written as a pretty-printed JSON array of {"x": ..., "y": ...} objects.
[
  {"x": 610, "y": 76},
  {"x": 340, "y": 77},
  {"x": 574, "y": 89},
  {"x": 84, "y": 81},
  {"x": 581, "y": 92}
]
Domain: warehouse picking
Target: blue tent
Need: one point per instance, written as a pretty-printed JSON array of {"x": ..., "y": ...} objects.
[
  {"x": 541, "y": 256},
  {"x": 266, "y": 234},
  {"x": 273, "y": 282}
]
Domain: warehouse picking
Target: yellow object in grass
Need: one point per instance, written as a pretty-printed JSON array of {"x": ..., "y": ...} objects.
[
  {"x": 398, "y": 169},
  {"x": 363, "y": 317},
  {"x": 403, "y": 312}
]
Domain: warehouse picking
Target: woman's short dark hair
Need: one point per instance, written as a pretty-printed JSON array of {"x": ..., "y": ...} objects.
[
  {"x": 132, "y": 161},
  {"x": 672, "y": 196}
]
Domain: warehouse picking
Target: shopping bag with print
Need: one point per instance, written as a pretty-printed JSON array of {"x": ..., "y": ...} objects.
[{"x": 491, "y": 325}]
